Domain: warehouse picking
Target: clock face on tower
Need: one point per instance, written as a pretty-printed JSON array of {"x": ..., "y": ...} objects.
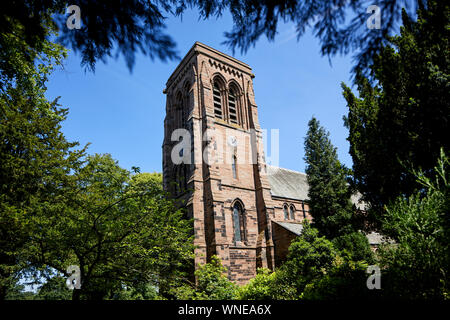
[{"x": 232, "y": 141}]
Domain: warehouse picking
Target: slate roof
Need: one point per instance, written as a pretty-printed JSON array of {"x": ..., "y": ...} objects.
[
  {"x": 292, "y": 227},
  {"x": 287, "y": 183},
  {"x": 290, "y": 184}
]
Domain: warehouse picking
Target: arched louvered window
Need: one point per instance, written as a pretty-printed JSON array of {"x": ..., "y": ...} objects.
[
  {"x": 286, "y": 213},
  {"x": 292, "y": 212},
  {"x": 232, "y": 106},
  {"x": 238, "y": 222},
  {"x": 217, "y": 97}
]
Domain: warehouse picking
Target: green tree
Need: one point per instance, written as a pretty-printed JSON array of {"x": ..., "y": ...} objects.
[
  {"x": 344, "y": 280},
  {"x": 310, "y": 257},
  {"x": 261, "y": 287},
  {"x": 35, "y": 156},
  {"x": 355, "y": 245},
  {"x": 54, "y": 289},
  {"x": 58, "y": 208},
  {"x": 119, "y": 229},
  {"x": 17, "y": 292},
  {"x": 107, "y": 27},
  {"x": 138, "y": 291},
  {"x": 402, "y": 121},
  {"x": 417, "y": 266},
  {"x": 340, "y": 26},
  {"x": 316, "y": 269},
  {"x": 329, "y": 194},
  {"x": 211, "y": 284},
  {"x": 269, "y": 285},
  {"x": 132, "y": 26}
]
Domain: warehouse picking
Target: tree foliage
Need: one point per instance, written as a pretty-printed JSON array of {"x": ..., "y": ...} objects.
[
  {"x": 310, "y": 256},
  {"x": 107, "y": 27},
  {"x": 345, "y": 280},
  {"x": 123, "y": 28},
  {"x": 267, "y": 284},
  {"x": 340, "y": 26},
  {"x": 35, "y": 157},
  {"x": 17, "y": 292},
  {"x": 418, "y": 265},
  {"x": 261, "y": 287},
  {"x": 211, "y": 284},
  {"x": 54, "y": 289},
  {"x": 315, "y": 269},
  {"x": 59, "y": 208},
  {"x": 138, "y": 291},
  {"x": 355, "y": 245},
  {"x": 119, "y": 229},
  {"x": 328, "y": 193},
  {"x": 402, "y": 121}
]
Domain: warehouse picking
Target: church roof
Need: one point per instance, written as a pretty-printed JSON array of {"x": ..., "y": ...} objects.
[
  {"x": 290, "y": 184},
  {"x": 295, "y": 228},
  {"x": 287, "y": 183}
]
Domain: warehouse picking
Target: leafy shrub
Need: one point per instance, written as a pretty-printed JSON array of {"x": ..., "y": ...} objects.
[
  {"x": 267, "y": 285},
  {"x": 345, "y": 280},
  {"x": 417, "y": 267},
  {"x": 141, "y": 291},
  {"x": 356, "y": 245},
  {"x": 310, "y": 256},
  {"x": 260, "y": 287},
  {"x": 212, "y": 284}
]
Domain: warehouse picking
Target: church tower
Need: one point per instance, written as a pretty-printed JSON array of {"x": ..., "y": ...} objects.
[{"x": 213, "y": 161}]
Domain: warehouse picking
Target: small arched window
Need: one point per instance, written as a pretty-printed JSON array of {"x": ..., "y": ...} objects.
[
  {"x": 232, "y": 105},
  {"x": 233, "y": 166},
  {"x": 217, "y": 97},
  {"x": 238, "y": 222},
  {"x": 286, "y": 213},
  {"x": 292, "y": 211}
]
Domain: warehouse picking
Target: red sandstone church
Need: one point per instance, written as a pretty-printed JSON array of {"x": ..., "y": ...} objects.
[{"x": 245, "y": 211}]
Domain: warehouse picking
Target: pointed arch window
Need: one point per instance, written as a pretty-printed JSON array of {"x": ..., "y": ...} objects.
[
  {"x": 232, "y": 106},
  {"x": 286, "y": 213},
  {"x": 238, "y": 222},
  {"x": 292, "y": 212},
  {"x": 233, "y": 166},
  {"x": 217, "y": 98}
]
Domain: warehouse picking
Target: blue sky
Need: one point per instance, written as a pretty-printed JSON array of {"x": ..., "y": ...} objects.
[{"x": 122, "y": 113}]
